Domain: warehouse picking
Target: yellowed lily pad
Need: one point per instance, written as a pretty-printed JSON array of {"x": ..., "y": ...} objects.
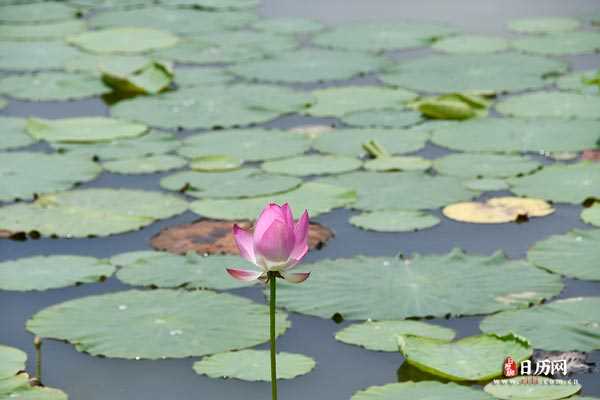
[{"x": 498, "y": 210}]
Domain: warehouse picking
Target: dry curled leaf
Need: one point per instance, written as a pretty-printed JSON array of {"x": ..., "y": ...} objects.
[
  {"x": 209, "y": 236},
  {"x": 498, "y": 210}
]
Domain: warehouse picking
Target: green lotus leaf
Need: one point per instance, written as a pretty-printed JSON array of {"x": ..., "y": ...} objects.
[
  {"x": 13, "y": 134},
  {"x": 551, "y": 104},
  {"x": 35, "y": 56},
  {"x": 544, "y": 388},
  {"x": 471, "y": 44},
  {"x": 543, "y": 24},
  {"x": 145, "y": 165},
  {"x": 394, "y": 221},
  {"x": 421, "y": 390},
  {"x": 467, "y": 165},
  {"x": 52, "y": 31},
  {"x": 560, "y": 43},
  {"x": 46, "y": 86},
  {"x": 312, "y": 165},
  {"x": 139, "y": 40},
  {"x": 83, "y": 129}
]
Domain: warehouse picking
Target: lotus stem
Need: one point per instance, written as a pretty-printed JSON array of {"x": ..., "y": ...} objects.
[
  {"x": 37, "y": 343},
  {"x": 272, "y": 276}
]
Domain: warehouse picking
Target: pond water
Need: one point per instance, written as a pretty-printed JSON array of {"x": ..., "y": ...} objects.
[{"x": 341, "y": 369}]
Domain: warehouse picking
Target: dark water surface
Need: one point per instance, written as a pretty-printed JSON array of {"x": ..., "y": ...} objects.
[{"x": 341, "y": 369}]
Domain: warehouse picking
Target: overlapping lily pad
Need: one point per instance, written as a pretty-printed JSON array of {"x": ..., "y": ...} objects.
[
  {"x": 12, "y": 133},
  {"x": 467, "y": 165},
  {"x": 190, "y": 77},
  {"x": 25, "y": 174},
  {"x": 543, "y": 24},
  {"x": 52, "y": 272},
  {"x": 486, "y": 184},
  {"x": 564, "y": 325},
  {"x": 52, "y": 31},
  {"x": 384, "y": 118},
  {"x": 246, "y": 145},
  {"x": 213, "y": 106},
  {"x": 216, "y": 163},
  {"x": 591, "y": 215},
  {"x": 11, "y": 361},
  {"x": 581, "y": 81},
  {"x": 503, "y": 72},
  {"x": 382, "y": 36},
  {"x": 157, "y": 324},
  {"x": 137, "y": 75},
  {"x": 253, "y": 365},
  {"x": 471, "y": 44},
  {"x": 139, "y": 40},
  {"x": 90, "y": 212},
  {"x": 552, "y": 104},
  {"x": 398, "y": 163},
  {"x": 145, "y": 165},
  {"x": 35, "y": 56},
  {"x": 312, "y": 165},
  {"x": 543, "y": 388},
  {"x": 572, "y": 183},
  {"x": 421, "y": 390},
  {"x": 83, "y": 129},
  {"x": 288, "y": 25},
  {"x": 247, "y": 182},
  {"x": 382, "y": 288},
  {"x": 574, "y": 254},
  {"x": 308, "y": 65},
  {"x": 498, "y": 210},
  {"x": 46, "y": 86},
  {"x": 474, "y": 358},
  {"x": 40, "y": 12},
  {"x": 560, "y": 43},
  {"x": 337, "y": 101},
  {"x": 191, "y": 271},
  {"x": 394, "y": 220},
  {"x": 383, "y": 335},
  {"x": 317, "y": 198},
  {"x": 507, "y": 135}
]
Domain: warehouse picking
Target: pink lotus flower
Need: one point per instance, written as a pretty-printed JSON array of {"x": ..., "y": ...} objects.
[{"x": 276, "y": 245}]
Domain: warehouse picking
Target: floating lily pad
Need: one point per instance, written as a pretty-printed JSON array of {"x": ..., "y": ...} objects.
[
  {"x": 90, "y": 212},
  {"x": 253, "y": 365},
  {"x": 317, "y": 198},
  {"x": 498, "y": 210},
  {"x": 563, "y": 325},
  {"x": 191, "y": 271},
  {"x": 35, "y": 56},
  {"x": 421, "y": 390},
  {"x": 471, "y": 44},
  {"x": 36, "y": 12},
  {"x": 574, "y": 254},
  {"x": 308, "y": 65},
  {"x": 486, "y": 185},
  {"x": 52, "y": 31},
  {"x": 382, "y": 36},
  {"x": 406, "y": 163},
  {"x": 383, "y": 288},
  {"x": 312, "y": 165},
  {"x": 11, "y": 361},
  {"x": 27, "y": 392},
  {"x": 3, "y": 103},
  {"x": 157, "y": 324},
  {"x": 190, "y": 77},
  {"x": 543, "y": 24},
  {"x": 247, "y": 182},
  {"x": 45, "y": 86},
  {"x": 288, "y": 25},
  {"x": 504, "y": 72},
  {"x": 551, "y": 104},
  {"x": 453, "y": 106},
  {"x": 213, "y": 106},
  {"x": 337, "y": 101},
  {"x": 349, "y": 142},
  {"x": 485, "y": 165},
  {"x": 561, "y": 183},
  {"x": 137, "y": 75},
  {"x": 25, "y": 174},
  {"x": 394, "y": 221},
  {"x": 474, "y": 358},
  {"x": 218, "y": 5},
  {"x": 560, "y": 43},
  {"x": 215, "y": 163},
  {"x": 581, "y": 81},
  {"x": 139, "y": 40},
  {"x": 52, "y": 272},
  {"x": 591, "y": 215},
  {"x": 508, "y": 135},
  {"x": 145, "y": 165},
  {"x": 401, "y": 190},
  {"x": 543, "y": 388},
  {"x": 12, "y": 133},
  {"x": 83, "y": 129},
  {"x": 384, "y": 118},
  {"x": 131, "y": 257},
  {"x": 246, "y": 145},
  {"x": 383, "y": 335}
]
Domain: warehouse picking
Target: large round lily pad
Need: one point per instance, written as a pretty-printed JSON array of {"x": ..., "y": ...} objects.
[
  {"x": 474, "y": 358},
  {"x": 253, "y": 365},
  {"x": 52, "y": 31},
  {"x": 312, "y": 165},
  {"x": 560, "y": 43},
  {"x": 157, "y": 324},
  {"x": 12, "y": 133},
  {"x": 90, "y": 212},
  {"x": 337, "y": 101},
  {"x": 382, "y": 36},
  {"x": 543, "y": 388},
  {"x": 573, "y": 254},
  {"x": 563, "y": 325},
  {"x": 498, "y": 210},
  {"x": 543, "y": 24},
  {"x": 35, "y": 56},
  {"x": 36, "y": 12},
  {"x": 213, "y": 106},
  {"x": 486, "y": 185},
  {"x": 247, "y": 182},
  {"x": 289, "y": 25},
  {"x": 123, "y": 40},
  {"x": 421, "y": 390},
  {"x": 580, "y": 81},
  {"x": 485, "y": 165},
  {"x": 145, "y": 165},
  {"x": 572, "y": 183},
  {"x": 190, "y": 77},
  {"x": 591, "y": 215},
  {"x": 308, "y": 65},
  {"x": 383, "y": 335},
  {"x": 25, "y": 174},
  {"x": 398, "y": 163},
  {"x": 503, "y": 72},
  {"x": 52, "y": 272},
  {"x": 382, "y": 288},
  {"x": 317, "y": 198},
  {"x": 384, "y": 118},
  {"x": 246, "y": 145},
  {"x": 394, "y": 220},
  {"x": 507, "y": 135},
  {"x": 552, "y": 104},
  {"x": 471, "y": 44},
  {"x": 83, "y": 129},
  {"x": 11, "y": 361},
  {"x": 45, "y": 86}
]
